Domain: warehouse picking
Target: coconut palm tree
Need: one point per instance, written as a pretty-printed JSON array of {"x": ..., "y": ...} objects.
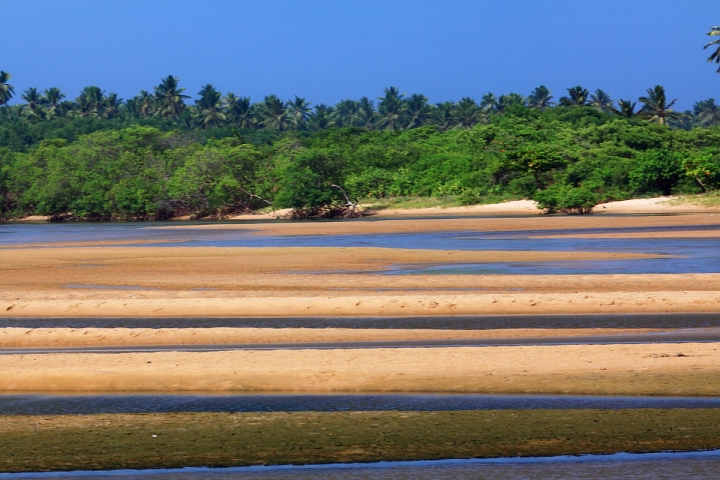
[
  {"x": 626, "y": 108},
  {"x": 656, "y": 107},
  {"x": 300, "y": 111},
  {"x": 489, "y": 102},
  {"x": 33, "y": 103},
  {"x": 443, "y": 115},
  {"x": 417, "y": 110},
  {"x": 510, "y": 100},
  {"x": 368, "y": 115},
  {"x": 239, "y": 110},
  {"x": 209, "y": 108},
  {"x": 322, "y": 117},
  {"x": 274, "y": 113},
  {"x": 348, "y": 113},
  {"x": 391, "y": 109},
  {"x": 6, "y": 90},
  {"x": 540, "y": 98},
  {"x": 707, "y": 112},
  {"x": 145, "y": 103},
  {"x": 90, "y": 103},
  {"x": 715, "y": 56},
  {"x": 466, "y": 113},
  {"x": 111, "y": 105},
  {"x": 577, "y": 97},
  {"x": 170, "y": 100},
  {"x": 602, "y": 101},
  {"x": 51, "y": 99}
]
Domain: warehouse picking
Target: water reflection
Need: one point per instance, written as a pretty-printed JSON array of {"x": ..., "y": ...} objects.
[{"x": 479, "y": 322}]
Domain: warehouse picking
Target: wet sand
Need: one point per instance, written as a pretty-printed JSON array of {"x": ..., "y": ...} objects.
[
  {"x": 76, "y": 337},
  {"x": 215, "y": 281},
  {"x": 640, "y": 369},
  {"x": 553, "y": 222}
]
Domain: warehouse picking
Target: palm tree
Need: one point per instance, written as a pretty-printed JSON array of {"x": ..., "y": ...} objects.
[
  {"x": 626, "y": 108},
  {"x": 51, "y": 99},
  {"x": 715, "y": 56},
  {"x": 209, "y": 108},
  {"x": 90, "y": 102},
  {"x": 577, "y": 97},
  {"x": 656, "y": 108},
  {"x": 602, "y": 101},
  {"x": 111, "y": 105},
  {"x": 239, "y": 110},
  {"x": 489, "y": 102},
  {"x": 6, "y": 90},
  {"x": 466, "y": 113},
  {"x": 348, "y": 113},
  {"x": 145, "y": 103},
  {"x": 390, "y": 109},
  {"x": 299, "y": 111},
  {"x": 443, "y": 115},
  {"x": 368, "y": 115},
  {"x": 34, "y": 101},
  {"x": 417, "y": 110},
  {"x": 170, "y": 98},
  {"x": 540, "y": 98},
  {"x": 707, "y": 112},
  {"x": 274, "y": 113},
  {"x": 322, "y": 117},
  {"x": 510, "y": 100}
]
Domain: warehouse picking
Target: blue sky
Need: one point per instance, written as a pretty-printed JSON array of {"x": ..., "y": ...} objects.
[{"x": 328, "y": 50}]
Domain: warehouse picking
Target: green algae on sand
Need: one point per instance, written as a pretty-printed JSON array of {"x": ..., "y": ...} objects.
[{"x": 102, "y": 442}]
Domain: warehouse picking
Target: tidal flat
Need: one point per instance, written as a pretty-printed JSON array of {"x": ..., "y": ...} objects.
[{"x": 122, "y": 441}]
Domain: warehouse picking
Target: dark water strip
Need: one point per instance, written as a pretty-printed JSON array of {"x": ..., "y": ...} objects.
[
  {"x": 479, "y": 322},
  {"x": 656, "y": 466},
  {"x": 86, "y": 404},
  {"x": 642, "y": 338}
]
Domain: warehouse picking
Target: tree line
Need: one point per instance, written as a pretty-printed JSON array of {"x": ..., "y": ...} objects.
[
  {"x": 392, "y": 111},
  {"x": 155, "y": 156},
  {"x": 568, "y": 158}
]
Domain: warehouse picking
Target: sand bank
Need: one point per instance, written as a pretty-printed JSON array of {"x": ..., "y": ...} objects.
[
  {"x": 431, "y": 304},
  {"x": 674, "y": 234},
  {"x": 76, "y": 337},
  {"x": 189, "y": 281},
  {"x": 551, "y": 222},
  {"x": 650, "y": 369}
]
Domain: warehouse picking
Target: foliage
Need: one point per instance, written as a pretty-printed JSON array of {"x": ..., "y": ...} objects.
[
  {"x": 156, "y": 156},
  {"x": 566, "y": 198}
]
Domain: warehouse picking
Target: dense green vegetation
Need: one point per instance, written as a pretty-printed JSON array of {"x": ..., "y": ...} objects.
[{"x": 154, "y": 156}]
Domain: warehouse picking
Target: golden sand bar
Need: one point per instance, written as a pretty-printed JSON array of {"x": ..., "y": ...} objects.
[
  {"x": 640, "y": 369},
  {"x": 82, "y": 337},
  {"x": 361, "y": 227},
  {"x": 195, "y": 281}
]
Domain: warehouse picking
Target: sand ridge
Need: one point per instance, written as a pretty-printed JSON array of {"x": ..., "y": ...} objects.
[
  {"x": 650, "y": 369},
  {"x": 488, "y": 224},
  {"x": 75, "y": 337}
]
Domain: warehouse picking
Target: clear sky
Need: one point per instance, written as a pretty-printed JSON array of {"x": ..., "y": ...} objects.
[{"x": 328, "y": 50}]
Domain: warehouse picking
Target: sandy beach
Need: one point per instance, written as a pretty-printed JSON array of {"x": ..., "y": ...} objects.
[
  {"x": 647, "y": 369},
  {"x": 77, "y": 337}
]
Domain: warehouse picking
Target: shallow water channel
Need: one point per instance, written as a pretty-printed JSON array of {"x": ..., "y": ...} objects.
[
  {"x": 661, "y": 466},
  {"x": 679, "y": 255},
  {"x": 144, "y": 402}
]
